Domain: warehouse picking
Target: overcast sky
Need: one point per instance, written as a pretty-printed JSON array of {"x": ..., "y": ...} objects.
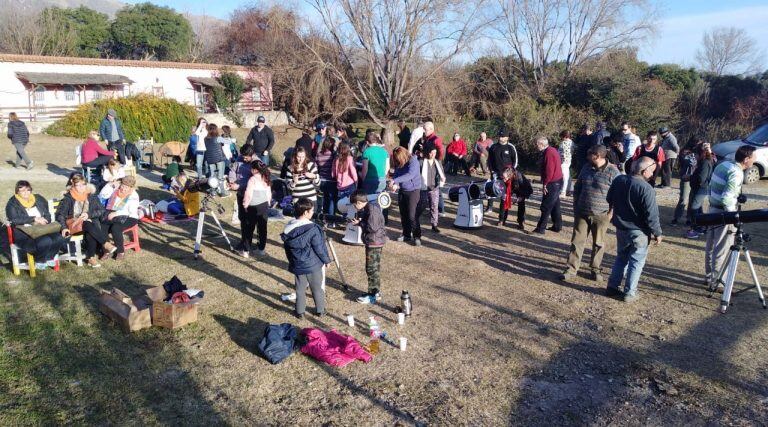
[{"x": 678, "y": 34}]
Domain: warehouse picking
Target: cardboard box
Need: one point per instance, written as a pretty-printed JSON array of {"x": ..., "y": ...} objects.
[
  {"x": 131, "y": 314},
  {"x": 171, "y": 316}
]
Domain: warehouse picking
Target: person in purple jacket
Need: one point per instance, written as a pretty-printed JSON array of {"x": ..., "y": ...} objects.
[{"x": 407, "y": 182}]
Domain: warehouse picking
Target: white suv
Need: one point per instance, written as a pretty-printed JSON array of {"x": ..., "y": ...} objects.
[{"x": 758, "y": 138}]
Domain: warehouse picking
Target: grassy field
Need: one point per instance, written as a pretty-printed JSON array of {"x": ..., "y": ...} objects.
[{"x": 495, "y": 337}]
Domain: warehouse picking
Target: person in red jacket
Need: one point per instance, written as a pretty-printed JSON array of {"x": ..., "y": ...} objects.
[
  {"x": 551, "y": 184},
  {"x": 456, "y": 156},
  {"x": 92, "y": 154}
]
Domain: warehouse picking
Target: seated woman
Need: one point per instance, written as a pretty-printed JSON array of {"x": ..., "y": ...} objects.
[
  {"x": 123, "y": 212},
  {"x": 93, "y": 154},
  {"x": 25, "y": 211},
  {"x": 112, "y": 175},
  {"x": 80, "y": 209}
]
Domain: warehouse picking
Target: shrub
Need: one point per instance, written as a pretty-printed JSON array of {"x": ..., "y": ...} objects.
[{"x": 142, "y": 115}]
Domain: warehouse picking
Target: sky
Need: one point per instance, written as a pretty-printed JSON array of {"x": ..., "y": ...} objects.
[{"x": 677, "y": 37}]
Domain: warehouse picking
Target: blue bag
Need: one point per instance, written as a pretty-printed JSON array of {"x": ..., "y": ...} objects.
[{"x": 278, "y": 342}]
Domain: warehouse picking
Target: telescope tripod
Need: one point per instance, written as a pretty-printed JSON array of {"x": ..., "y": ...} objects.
[
  {"x": 329, "y": 242},
  {"x": 729, "y": 271},
  {"x": 201, "y": 222}
]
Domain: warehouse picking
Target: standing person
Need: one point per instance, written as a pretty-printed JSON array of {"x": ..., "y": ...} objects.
[
  {"x": 92, "y": 154},
  {"x": 201, "y": 132},
  {"x": 501, "y": 156},
  {"x": 228, "y": 144},
  {"x": 551, "y": 183},
  {"x": 256, "y": 201},
  {"x": 344, "y": 172},
  {"x": 19, "y": 136},
  {"x": 431, "y": 138},
  {"x": 189, "y": 157},
  {"x": 516, "y": 184},
  {"x": 111, "y": 131},
  {"x": 214, "y": 157},
  {"x": 598, "y": 137},
  {"x": 324, "y": 160},
  {"x": 407, "y": 182},
  {"x": 404, "y": 134},
  {"x": 671, "y": 148},
  {"x": 615, "y": 153},
  {"x": 375, "y": 166},
  {"x": 724, "y": 191},
  {"x": 416, "y": 136},
  {"x": 705, "y": 164},
  {"x": 630, "y": 140},
  {"x": 432, "y": 178},
  {"x": 239, "y": 174},
  {"x": 307, "y": 254},
  {"x": 80, "y": 204},
  {"x": 653, "y": 151},
  {"x": 592, "y": 214},
  {"x": 322, "y": 132},
  {"x": 688, "y": 159},
  {"x": 262, "y": 138},
  {"x": 583, "y": 142},
  {"x": 374, "y": 236},
  {"x": 302, "y": 176},
  {"x": 305, "y": 141},
  {"x": 456, "y": 156},
  {"x": 480, "y": 152},
  {"x": 565, "y": 149},
  {"x": 123, "y": 213},
  {"x": 636, "y": 218}
]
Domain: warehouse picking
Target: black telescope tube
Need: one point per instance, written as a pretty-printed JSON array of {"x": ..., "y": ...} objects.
[{"x": 723, "y": 218}]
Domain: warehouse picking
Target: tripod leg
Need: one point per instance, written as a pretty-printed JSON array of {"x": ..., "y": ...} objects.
[
  {"x": 223, "y": 233},
  {"x": 754, "y": 277},
  {"x": 199, "y": 234},
  {"x": 338, "y": 264},
  {"x": 733, "y": 262}
]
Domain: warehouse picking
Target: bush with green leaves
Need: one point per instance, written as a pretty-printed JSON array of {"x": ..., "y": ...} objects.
[
  {"x": 142, "y": 115},
  {"x": 227, "y": 97}
]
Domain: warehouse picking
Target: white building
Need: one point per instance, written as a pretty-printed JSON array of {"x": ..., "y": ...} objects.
[{"x": 44, "y": 88}]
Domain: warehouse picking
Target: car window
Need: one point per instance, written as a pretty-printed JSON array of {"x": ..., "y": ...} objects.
[{"x": 759, "y": 136}]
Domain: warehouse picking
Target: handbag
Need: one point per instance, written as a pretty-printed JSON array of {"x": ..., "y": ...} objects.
[
  {"x": 75, "y": 225},
  {"x": 39, "y": 230}
]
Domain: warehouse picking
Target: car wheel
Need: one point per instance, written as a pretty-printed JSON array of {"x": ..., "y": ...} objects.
[{"x": 752, "y": 175}]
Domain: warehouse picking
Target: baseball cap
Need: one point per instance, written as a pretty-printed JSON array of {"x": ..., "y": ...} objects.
[
  {"x": 663, "y": 129},
  {"x": 261, "y": 119},
  {"x": 112, "y": 112}
]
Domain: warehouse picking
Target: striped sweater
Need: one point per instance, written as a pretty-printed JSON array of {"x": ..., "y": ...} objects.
[
  {"x": 725, "y": 185},
  {"x": 304, "y": 187}
]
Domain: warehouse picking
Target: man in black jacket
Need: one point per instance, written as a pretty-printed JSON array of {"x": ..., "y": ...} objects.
[
  {"x": 501, "y": 155},
  {"x": 262, "y": 138},
  {"x": 19, "y": 136}
]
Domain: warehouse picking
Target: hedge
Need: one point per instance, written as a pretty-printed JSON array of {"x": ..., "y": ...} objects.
[{"x": 161, "y": 118}]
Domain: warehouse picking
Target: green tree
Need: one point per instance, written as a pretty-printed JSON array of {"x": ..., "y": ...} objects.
[
  {"x": 228, "y": 96},
  {"x": 674, "y": 76},
  {"x": 146, "y": 31},
  {"x": 90, "y": 27}
]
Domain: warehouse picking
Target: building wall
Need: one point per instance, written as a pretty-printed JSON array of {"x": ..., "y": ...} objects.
[{"x": 147, "y": 77}]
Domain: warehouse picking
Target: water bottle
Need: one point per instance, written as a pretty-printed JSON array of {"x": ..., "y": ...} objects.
[
  {"x": 375, "y": 333},
  {"x": 405, "y": 303}
]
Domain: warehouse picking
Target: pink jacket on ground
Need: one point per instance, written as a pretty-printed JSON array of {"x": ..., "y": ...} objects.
[{"x": 333, "y": 348}]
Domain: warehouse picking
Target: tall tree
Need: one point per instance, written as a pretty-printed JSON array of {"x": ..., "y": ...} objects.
[
  {"x": 728, "y": 50},
  {"x": 390, "y": 49},
  {"x": 91, "y": 28},
  {"x": 542, "y": 34},
  {"x": 146, "y": 31},
  {"x": 29, "y": 32}
]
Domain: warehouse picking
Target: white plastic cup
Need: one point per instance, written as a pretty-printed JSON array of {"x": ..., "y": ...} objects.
[
  {"x": 401, "y": 318},
  {"x": 351, "y": 320},
  {"x": 403, "y": 343}
]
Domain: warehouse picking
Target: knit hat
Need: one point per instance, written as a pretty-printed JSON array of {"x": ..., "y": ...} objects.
[
  {"x": 261, "y": 119},
  {"x": 663, "y": 129}
]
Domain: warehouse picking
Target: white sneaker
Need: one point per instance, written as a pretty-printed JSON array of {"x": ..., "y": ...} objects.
[
  {"x": 288, "y": 297},
  {"x": 244, "y": 254}
]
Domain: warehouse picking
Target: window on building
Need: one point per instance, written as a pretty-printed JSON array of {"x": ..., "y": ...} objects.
[
  {"x": 158, "y": 91},
  {"x": 69, "y": 93},
  {"x": 98, "y": 92},
  {"x": 256, "y": 94},
  {"x": 40, "y": 94}
]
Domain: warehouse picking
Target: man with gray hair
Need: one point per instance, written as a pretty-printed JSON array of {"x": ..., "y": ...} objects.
[
  {"x": 636, "y": 218},
  {"x": 111, "y": 131},
  {"x": 591, "y": 212},
  {"x": 551, "y": 184}
]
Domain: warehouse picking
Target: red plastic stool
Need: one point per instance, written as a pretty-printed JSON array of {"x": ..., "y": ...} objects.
[{"x": 134, "y": 238}]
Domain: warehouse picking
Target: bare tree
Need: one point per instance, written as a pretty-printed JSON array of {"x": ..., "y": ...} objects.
[
  {"x": 208, "y": 32},
  {"x": 542, "y": 33},
  {"x": 390, "y": 49},
  {"x": 728, "y": 50},
  {"x": 30, "y": 32}
]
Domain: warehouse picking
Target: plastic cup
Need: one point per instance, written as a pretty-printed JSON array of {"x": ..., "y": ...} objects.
[
  {"x": 351, "y": 320},
  {"x": 403, "y": 343},
  {"x": 401, "y": 318}
]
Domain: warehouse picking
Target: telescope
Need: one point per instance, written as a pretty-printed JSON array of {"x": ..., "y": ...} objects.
[
  {"x": 726, "y": 218},
  {"x": 470, "y": 197},
  {"x": 203, "y": 185}
]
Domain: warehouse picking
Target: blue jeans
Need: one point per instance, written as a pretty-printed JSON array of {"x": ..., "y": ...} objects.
[
  {"x": 217, "y": 170},
  {"x": 631, "y": 251},
  {"x": 696, "y": 203},
  {"x": 199, "y": 163},
  {"x": 329, "y": 194},
  {"x": 345, "y": 191},
  {"x": 264, "y": 159}
]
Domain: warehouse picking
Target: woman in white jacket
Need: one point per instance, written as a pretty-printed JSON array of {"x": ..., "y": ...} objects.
[
  {"x": 202, "y": 132},
  {"x": 122, "y": 212},
  {"x": 432, "y": 178}
]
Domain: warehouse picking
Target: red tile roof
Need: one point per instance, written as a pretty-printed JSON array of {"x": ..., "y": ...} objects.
[{"x": 36, "y": 59}]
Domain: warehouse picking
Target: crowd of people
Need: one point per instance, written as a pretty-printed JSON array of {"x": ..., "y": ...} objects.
[{"x": 610, "y": 177}]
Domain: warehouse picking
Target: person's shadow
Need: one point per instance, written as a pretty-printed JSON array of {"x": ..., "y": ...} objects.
[{"x": 246, "y": 335}]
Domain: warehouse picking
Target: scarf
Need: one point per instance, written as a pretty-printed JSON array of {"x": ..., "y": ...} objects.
[
  {"x": 118, "y": 199},
  {"x": 113, "y": 131},
  {"x": 79, "y": 197},
  {"x": 508, "y": 194},
  {"x": 29, "y": 203}
]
